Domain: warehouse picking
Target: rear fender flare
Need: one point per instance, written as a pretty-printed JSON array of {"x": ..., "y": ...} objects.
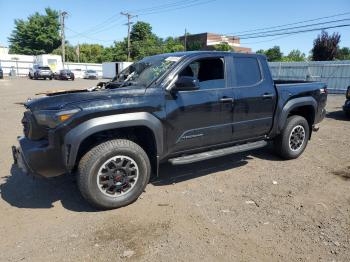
[
  {"x": 76, "y": 136},
  {"x": 293, "y": 104}
]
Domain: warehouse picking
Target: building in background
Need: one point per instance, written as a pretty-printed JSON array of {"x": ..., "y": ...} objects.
[{"x": 207, "y": 41}]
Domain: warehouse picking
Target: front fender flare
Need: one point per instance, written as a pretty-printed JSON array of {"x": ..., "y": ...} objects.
[{"x": 76, "y": 136}]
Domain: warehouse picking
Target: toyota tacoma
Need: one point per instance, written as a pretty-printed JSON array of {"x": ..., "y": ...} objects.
[{"x": 179, "y": 107}]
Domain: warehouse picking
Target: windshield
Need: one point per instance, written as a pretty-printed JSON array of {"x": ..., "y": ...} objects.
[
  {"x": 91, "y": 71},
  {"x": 145, "y": 71},
  {"x": 44, "y": 67}
]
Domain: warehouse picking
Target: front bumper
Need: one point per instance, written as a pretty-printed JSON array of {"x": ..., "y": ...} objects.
[{"x": 38, "y": 158}]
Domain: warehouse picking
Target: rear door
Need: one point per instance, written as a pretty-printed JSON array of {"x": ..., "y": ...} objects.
[{"x": 255, "y": 97}]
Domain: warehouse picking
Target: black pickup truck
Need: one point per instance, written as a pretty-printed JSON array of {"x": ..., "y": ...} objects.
[{"x": 180, "y": 107}]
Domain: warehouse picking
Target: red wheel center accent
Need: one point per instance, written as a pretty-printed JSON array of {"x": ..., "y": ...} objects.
[{"x": 118, "y": 178}]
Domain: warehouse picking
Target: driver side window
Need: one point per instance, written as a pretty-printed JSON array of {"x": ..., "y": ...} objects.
[{"x": 210, "y": 72}]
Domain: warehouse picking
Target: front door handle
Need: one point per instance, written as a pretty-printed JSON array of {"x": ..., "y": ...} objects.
[
  {"x": 268, "y": 95},
  {"x": 226, "y": 99}
]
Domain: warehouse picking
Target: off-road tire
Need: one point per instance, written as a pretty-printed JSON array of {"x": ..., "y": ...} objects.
[
  {"x": 282, "y": 142},
  {"x": 94, "y": 159}
]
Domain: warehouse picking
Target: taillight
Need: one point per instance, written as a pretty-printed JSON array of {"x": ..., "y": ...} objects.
[{"x": 324, "y": 90}]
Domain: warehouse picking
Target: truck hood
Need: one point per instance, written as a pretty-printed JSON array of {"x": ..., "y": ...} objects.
[{"x": 74, "y": 98}]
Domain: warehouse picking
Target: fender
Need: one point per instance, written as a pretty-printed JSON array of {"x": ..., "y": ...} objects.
[
  {"x": 76, "y": 136},
  {"x": 292, "y": 104}
]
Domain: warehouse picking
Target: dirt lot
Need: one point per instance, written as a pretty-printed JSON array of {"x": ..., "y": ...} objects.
[{"x": 247, "y": 207}]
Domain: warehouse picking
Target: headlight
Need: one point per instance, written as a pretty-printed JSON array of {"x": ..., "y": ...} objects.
[{"x": 53, "y": 118}]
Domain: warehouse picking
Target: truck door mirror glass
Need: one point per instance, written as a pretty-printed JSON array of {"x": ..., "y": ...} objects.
[{"x": 186, "y": 83}]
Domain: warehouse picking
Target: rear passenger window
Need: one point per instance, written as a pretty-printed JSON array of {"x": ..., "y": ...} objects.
[{"x": 247, "y": 71}]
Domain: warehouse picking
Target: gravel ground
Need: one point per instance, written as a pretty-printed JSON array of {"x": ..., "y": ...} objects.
[{"x": 246, "y": 207}]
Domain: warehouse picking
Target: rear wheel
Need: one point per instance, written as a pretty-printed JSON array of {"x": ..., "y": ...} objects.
[
  {"x": 292, "y": 142},
  {"x": 113, "y": 174}
]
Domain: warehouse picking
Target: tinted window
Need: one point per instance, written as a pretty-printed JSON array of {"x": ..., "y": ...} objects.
[
  {"x": 210, "y": 72},
  {"x": 247, "y": 71}
]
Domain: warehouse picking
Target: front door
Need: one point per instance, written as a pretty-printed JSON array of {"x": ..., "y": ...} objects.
[{"x": 201, "y": 118}]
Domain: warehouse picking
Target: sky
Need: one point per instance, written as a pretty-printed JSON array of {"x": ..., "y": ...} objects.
[{"x": 99, "y": 21}]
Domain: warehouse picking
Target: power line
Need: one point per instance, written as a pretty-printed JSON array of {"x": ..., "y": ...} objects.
[
  {"x": 295, "y": 27},
  {"x": 102, "y": 27},
  {"x": 176, "y": 8},
  {"x": 88, "y": 37},
  {"x": 171, "y": 4},
  {"x": 295, "y": 23},
  {"x": 297, "y": 32},
  {"x": 106, "y": 24}
]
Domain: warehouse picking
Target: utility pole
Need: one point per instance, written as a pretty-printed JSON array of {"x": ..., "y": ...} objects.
[
  {"x": 185, "y": 39},
  {"x": 63, "y": 14},
  {"x": 129, "y": 23}
]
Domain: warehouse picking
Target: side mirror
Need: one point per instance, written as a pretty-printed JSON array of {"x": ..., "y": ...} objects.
[
  {"x": 348, "y": 93},
  {"x": 186, "y": 83}
]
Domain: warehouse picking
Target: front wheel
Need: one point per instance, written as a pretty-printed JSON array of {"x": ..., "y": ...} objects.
[
  {"x": 292, "y": 142},
  {"x": 113, "y": 174}
]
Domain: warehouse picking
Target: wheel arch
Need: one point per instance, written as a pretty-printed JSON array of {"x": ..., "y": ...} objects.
[
  {"x": 302, "y": 106},
  {"x": 129, "y": 125}
]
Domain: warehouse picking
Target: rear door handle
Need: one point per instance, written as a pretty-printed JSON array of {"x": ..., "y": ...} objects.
[
  {"x": 268, "y": 95},
  {"x": 226, "y": 99}
]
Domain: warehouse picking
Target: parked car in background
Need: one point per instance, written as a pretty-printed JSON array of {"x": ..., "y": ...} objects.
[
  {"x": 64, "y": 74},
  {"x": 1, "y": 73},
  {"x": 90, "y": 74},
  {"x": 346, "y": 106},
  {"x": 43, "y": 72},
  {"x": 179, "y": 107}
]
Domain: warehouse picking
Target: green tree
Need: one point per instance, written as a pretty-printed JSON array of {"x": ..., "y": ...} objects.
[
  {"x": 39, "y": 34},
  {"x": 71, "y": 55},
  {"x": 294, "y": 56},
  {"x": 143, "y": 41},
  {"x": 91, "y": 53},
  {"x": 223, "y": 47},
  {"x": 194, "y": 46},
  {"x": 260, "y": 51},
  {"x": 171, "y": 45},
  {"x": 343, "y": 54},
  {"x": 325, "y": 47},
  {"x": 274, "y": 54}
]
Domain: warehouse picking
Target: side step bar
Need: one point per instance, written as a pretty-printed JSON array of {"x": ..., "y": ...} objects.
[{"x": 188, "y": 159}]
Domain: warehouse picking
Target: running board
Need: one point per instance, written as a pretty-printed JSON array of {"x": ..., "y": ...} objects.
[{"x": 216, "y": 153}]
